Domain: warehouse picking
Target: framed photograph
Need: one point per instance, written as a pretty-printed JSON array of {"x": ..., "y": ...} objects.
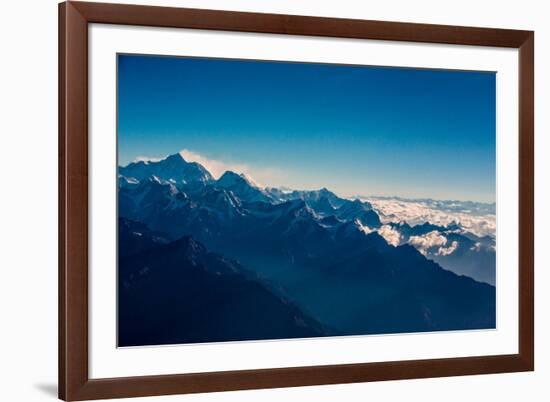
[{"x": 259, "y": 200}]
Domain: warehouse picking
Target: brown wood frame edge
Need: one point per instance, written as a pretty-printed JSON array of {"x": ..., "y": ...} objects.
[{"x": 74, "y": 382}]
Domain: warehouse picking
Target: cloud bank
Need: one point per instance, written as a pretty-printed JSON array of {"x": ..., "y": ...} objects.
[
  {"x": 432, "y": 240},
  {"x": 414, "y": 212},
  {"x": 429, "y": 240}
]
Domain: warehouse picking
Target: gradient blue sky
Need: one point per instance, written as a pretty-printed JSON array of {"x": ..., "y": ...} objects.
[{"x": 352, "y": 129}]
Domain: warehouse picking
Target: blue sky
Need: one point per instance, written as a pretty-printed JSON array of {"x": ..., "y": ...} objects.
[{"x": 352, "y": 129}]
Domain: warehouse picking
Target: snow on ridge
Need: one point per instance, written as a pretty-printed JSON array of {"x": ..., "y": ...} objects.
[{"x": 363, "y": 228}]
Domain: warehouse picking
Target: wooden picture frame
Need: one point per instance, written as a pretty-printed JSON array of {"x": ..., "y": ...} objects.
[{"x": 74, "y": 381}]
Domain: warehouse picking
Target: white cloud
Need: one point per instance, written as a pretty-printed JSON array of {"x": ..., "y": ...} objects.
[
  {"x": 147, "y": 159},
  {"x": 417, "y": 212},
  {"x": 429, "y": 240},
  {"x": 260, "y": 177},
  {"x": 432, "y": 240},
  {"x": 214, "y": 166},
  {"x": 448, "y": 250},
  {"x": 391, "y": 235}
]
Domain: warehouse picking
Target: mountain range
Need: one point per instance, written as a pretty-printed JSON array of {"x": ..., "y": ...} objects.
[{"x": 200, "y": 252}]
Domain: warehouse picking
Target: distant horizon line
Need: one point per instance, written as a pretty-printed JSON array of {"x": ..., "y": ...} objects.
[{"x": 146, "y": 159}]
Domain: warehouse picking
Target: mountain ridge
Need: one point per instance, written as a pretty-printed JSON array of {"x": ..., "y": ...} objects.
[
  {"x": 240, "y": 196},
  {"x": 330, "y": 256}
]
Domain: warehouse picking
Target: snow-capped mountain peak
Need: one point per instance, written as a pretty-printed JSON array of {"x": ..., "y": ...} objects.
[
  {"x": 242, "y": 186},
  {"x": 172, "y": 168},
  {"x": 230, "y": 178}
]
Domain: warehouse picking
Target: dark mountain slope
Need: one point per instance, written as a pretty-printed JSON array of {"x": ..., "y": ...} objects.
[
  {"x": 181, "y": 293},
  {"x": 136, "y": 237},
  {"x": 388, "y": 289}
]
